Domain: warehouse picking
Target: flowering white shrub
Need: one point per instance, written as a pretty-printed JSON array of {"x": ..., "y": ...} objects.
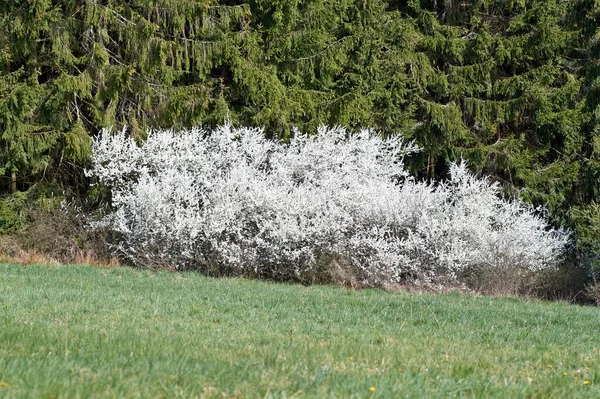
[{"x": 229, "y": 201}]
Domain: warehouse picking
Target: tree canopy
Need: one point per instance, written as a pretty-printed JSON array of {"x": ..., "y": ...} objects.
[{"x": 511, "y": 86}]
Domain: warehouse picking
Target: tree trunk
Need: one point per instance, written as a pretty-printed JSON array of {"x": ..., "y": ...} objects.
[
  {"x": 13, "y": 181},
  {"x": 430, "y": 166}
]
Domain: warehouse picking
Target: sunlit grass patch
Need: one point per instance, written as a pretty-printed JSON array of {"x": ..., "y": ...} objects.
[{"x": 77, "y": 331}]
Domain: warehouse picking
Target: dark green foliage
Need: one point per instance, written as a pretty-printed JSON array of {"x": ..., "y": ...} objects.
[
  {"x": 15, "y": 208},
  {"x": 511, "y": 86},
  {"x": 12, "y": 213}
]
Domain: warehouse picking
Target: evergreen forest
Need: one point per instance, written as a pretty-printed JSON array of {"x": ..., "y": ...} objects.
[{"x": 510, "y": 86}]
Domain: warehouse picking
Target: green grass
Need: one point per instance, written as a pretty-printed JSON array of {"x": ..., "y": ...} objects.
[{"x": 77, "y": 331}]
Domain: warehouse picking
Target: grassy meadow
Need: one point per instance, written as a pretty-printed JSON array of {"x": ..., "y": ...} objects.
[{"x": 78, "y": 331}]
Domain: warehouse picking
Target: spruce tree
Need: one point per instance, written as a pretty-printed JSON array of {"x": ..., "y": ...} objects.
[
  {"x": 510, "y": 86},
  {"x": 68, "y": 68},
  {"x": 584, "y": 213}
]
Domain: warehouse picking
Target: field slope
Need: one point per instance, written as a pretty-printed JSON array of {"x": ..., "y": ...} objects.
[{"x": 77, "y": 331}]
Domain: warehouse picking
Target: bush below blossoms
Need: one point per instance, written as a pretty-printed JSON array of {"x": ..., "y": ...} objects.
[{"x": 324, "y": 207}]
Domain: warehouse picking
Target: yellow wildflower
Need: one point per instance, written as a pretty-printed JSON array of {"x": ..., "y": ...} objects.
[
  {"x": 372, "y": 389},
  {"x": 586, "y": 382},
  {"x": 3, "y": 384}
]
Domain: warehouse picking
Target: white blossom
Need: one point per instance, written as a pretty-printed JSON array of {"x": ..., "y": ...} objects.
[{"x": 232, "y": 201}]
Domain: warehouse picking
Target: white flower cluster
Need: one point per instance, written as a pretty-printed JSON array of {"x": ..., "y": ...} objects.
[{"x": 232, "y": 202}]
